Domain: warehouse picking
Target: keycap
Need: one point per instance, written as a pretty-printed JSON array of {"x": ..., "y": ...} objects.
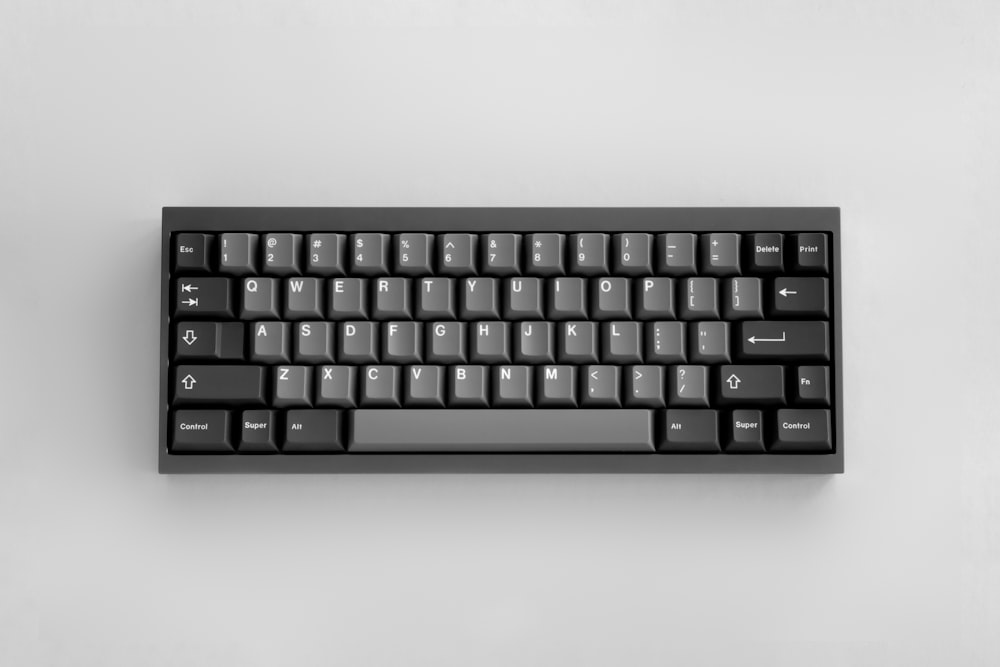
[
  {"x": 203, "y": 297},
  {"x": 535, "y": 343},
  {"x": 414, "y": 253},
  {"x": 511, "y": 387},
  {"x": 468, "y": 387},
  {"x": 545, "y": 254},
  {"x": 600, "y": 386},
  {"x": 313, "y": 432},
  {"x": 192, "y": 252},
  {"x": 690, "y": 431},
  {"x": 303, "y": 298},
  {"x": 633, "y": 254},
  {"x": 810, "y": 253},
  {"x": 742, "y": 299},
  {"x": 424, "y": 386},
  {"x": 746, "y": 432},
  {"x": 654, "y": 299},
  {"x": 369, "y": 254},
  {"x": 577, "y": 343},
  {"x": 812, "y": 384},
  {"x": 282, "y": 253},
  {"x": 799, "y": 297},
  {"x": 699, "y": 299},
  {"x": 785, "y": 340},
  {"x": 228, "y": 385},
  {"x": 380, "y": 387},
  {"x": 767, "y": 253},
  {"x": 566, "y": 299},
  {"x": 292, "y": 387},
  {"x": 490, "y": 343},
  {"x": 258, "y": 432},
  {"x": 392, "y": 299},
  {"x": 446, "y": 343},
  {"x": 436, "y": 299},
  {"x": 509, "y": 430},
  {"x": 645, "y": 386},
  {"x": 348, "y": 299},
  {"x": 611, "y": 299},
  {"x": 710, "y": 342},
  {"x": 402, "y": 342},
  {"x": 502, "y": 255},
  {"x": 260, "y": 299},
  {"x": 741, "y": 384},
  {"x": 270, "y": 342},
  {"x": 621, "y": 342},
  {"x": 326, "y": 254},
  {"x": 238, "y": 253},
  {"x": 358, "y": 343},
  {"x": 720, "y": 254},
  {"x": 666, "y": 342},
  {"x": 200, "y": 432},
  {"x": 457, "y": 254},
  {"x": 555, "y": 386},
  {"x": 687, "y": 386},
  {"x": 479, "y": 299},
  {"x": 523, "y": 299},
  {"x": 676, "y": 254},
  {"x": 208, "y": 340},
  {"x": 337, "y": 386},
  {"x": 314, "y": 342},
  {"x": 588, "y": 254},
  {"x": 802, "y": 431}
]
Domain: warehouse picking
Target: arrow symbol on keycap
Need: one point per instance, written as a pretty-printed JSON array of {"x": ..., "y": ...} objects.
[
  {"x": 754, "y": 340},
  {"x": 189, "y": 337},
  {"x": 188, "y": 382},
  {"x": 188, "y": 288},
  {"x": 190, "y": 302},
  {"x": 449, "y": 244},
  {"x": 734, "y": 381},
  {"x": 786, "y": 292}
]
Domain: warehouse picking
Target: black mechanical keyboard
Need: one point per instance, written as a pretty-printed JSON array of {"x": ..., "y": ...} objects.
[{"x": 501, "y": 340}]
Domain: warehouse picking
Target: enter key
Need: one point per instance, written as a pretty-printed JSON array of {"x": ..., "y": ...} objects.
[{"x": 784, "y": 340}]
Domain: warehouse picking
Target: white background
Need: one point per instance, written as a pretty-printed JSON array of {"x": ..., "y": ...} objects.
[{"x": 110, "y": 110}]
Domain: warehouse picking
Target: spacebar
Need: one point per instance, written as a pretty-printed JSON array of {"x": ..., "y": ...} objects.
[{"x": 500, "y": 430}]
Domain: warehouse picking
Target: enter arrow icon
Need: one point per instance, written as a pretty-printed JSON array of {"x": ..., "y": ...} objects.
[
  {"x": 785, "y": 292},
  {"x": 189, "y": 337},
  {"x": 188, "y": 382},
  {"x": 753, "y": 340},
  {"x": 734, "y": 381}
]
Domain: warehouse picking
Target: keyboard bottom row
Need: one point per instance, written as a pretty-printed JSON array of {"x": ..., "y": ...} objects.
[{"x": 680, "y": 431}]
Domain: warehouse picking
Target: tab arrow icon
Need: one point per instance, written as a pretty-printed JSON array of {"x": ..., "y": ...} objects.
[
  {"x": 188, "y": 382},
  {"x": 189, "y": 337},
  {"x": 190, "y": 302},
  {"x": 734, "y": 381},
  {"x": 188, "y": 288},
  {"x": 786, "y": 292}
]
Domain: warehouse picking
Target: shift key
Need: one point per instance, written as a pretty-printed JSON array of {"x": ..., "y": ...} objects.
[
  {"x": 223, "y": 385},
  {"x": 785, "y": 340}
]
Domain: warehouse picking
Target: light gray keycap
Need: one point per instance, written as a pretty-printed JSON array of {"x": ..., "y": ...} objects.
[
  {"x": 621, "y": 342},
  {"x": 348, "y": 298},
  {"x": 720, "y": 254},
  {"x": 337, "y": 386},
  {"x": 578, "y": 342},
  {"x": 446, "y": 342},
  {"x": 666, "y": 342},
  {"x": 687, "y": 385},
  {"x": 710, "y": 342},
  {"x": 303, "y": 298},
  {"x": 502, "y": 255},
  {"x": 314, "y": 343},
  {"x": 293, "y": 387},
  {"x": 512, "y": 386},
  {"x": 555, "y": 386},
  {"x": 238, "y": 253},
  {"x": 588, "y": 254},
  {"x": 742, "y": 299},
  {"x": 270, "y": 342},
  {"x": 402, "y": 342},
  {"x": 645, "y": 387},
  {"x": 326, "y": 254},
  {"x": 358, "y": 343},
  {"x": 260, "y": 299},
  {"x": 480, "y": 299},
  {"x": 610, "y": 299},
  {"x": 535, "y": 343},
  {"x": 457, "y": 254},
  {"x": 633, "y": 254},
  {"x": 601, "y": 386},
  {"x": 545, "y": 254},
  {"x": 567, "y": 298},
  {"x": 414, "y": 253},
  {"x": 699, "y": 299},
  {"x": 392, "y": 299},
  {"x": 675, "y": 254},
  {"x": 654, "y": 299},
  {"x": 436, "y": 299},
  {"x": 380, "y": 387},
  {"x": 468, "y": 387},
  {"x": 490, "y": 343},
  {"x": 282, "y": 254},
  {"x": 370, "y": 254},
  {"x": 423, "y": 386},
  {"x": 523, "y": 299}
]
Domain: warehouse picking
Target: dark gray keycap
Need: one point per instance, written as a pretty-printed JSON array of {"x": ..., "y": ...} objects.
[
  {"x": 238, "y": 253},
  {"x": 337, "y": 386},
  {"x": 201, "y": 432},
  {"x": 313, "y": 432},
  {"x": 380, "y": 387},
  {"x": 303, "y": 298},
  {"x": 282, "y": 253},
  {"x": 392, "y": 299},
  {"x": 414, "y": 254},
  {"x": 292, "y": 386},
  {"x": 219, "y": 384},
  {"x": 523, "y": 299},
  {"x": 666, "y": 342},
  {"x": 358, "y": 343},
  {"x": 578, "y": 343},
  {"x": 690, "y": 431},
  {"x": 710, "y": 343},
  {"x": 258, "y": 432},
  {"x": 192, "y": 252},
  {"x": 633, "y": 254},
  {"x": 741, "y": 299},
  {"x": 535, "y": 343},
  {"x": 600, "y": 386},
  {"x": 326, "y": 254},
  {"x": 512, "y": 386},
  {"x": 588, "y": 254},
  {"x": 813, "y": 384},
  {"x": 402, "y": 342},
  {"x": 567, "y": 299},
  {"x": 203, "y": 297},
  {"x": 767, "y": 252},
  {"x": 369, "y": 254},
  {"x": 555, "y": 386},
  {"x": 621, "y": 342},
  {"x": 436, "y": 299},
  {"x": 676, "y": 254},
  {"x": 509, "y": 430},
  {"x": 260, "y": 299},
  {"x": 810, "y": 253},
  {"x": 798, "y": 297},
  {"x": 446, "y": 343},
  {"x": 720, "y": 254},
  {"x": 802, "y": 431},
  {"x": 479, "y": 299},
  {"x": 654, "y": 299},
  {"x": 270, "y": 342},
  {"x": 687, "y": 385},
  {"x": 423, "y": 386},
  {"x": 699, "y": 299},
  {"x": 314, "y": 342},
  {"x": 502, "y": 255},
  {"x": 467, "y": 386},
  {"x": 457, "y": 254},
  {"x": 489, "y": 342},
  {"x": 348, "y": 299},
  {"x": 610, "y": 299},
  {"x": 208, "y": 340},
  {"x": 545, "y": 254},
  {"x": 789, "y": 340},
  {"x": 746, "y": 432},
  {"x": 645, "y": 387},
  {"x": 751, "y": 384}
]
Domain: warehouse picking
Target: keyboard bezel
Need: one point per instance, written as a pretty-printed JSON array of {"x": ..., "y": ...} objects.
[{"x": 514, "y": 219}]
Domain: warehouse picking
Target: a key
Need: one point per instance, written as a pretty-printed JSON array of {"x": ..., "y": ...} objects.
[
  {"x": 699, "y": 299},
  {"x": 621, "y": 342},
  {"x": 801, "y": 297},
  {"x": 644, "y": 387},
  {"x": 258, "y": 432},
  {"x": 687, "y": 386},
  {"x": 392, "y": 299},
  {"x": 600, "y": 386},
  {"x": 666, "y": 342},
  {"x": 535, "y": 343},
  {"x": 654, "y": 299},
  {"x": 402, "y": 342},
  {"x": 746, "y": 432},
  {"x": 414, "y": 253},
  {"x": 348, "y": 299},
  {"x": 555, "y": 386},
  {"x": 292, "y": 386},
  {"x": 802, "y": 431},
  {"x": 480, "y": 299},
  {"x": 502, "y": 255},
  {"x": 303, "y": 298},
  {"x": 676, "y": 254},
  {"x": 270, "y": 342},
  {"x": 370, "y": 254},
  {"x": 238, "y": 253},
  {"x": 423, "y": 386},
  {"x": 810, "y": 253},
  {"x": 446, "y": 343},
  {"x": 314, "y": 343},
  {"x": 523, "y": 299},
  {"x": 690, "y": 431},
  {"x": 785, "y": 340},
  {"x": 326, "y": 254},
  {"x": 457, "y": 254},
  {"x": 282, "y": 253},
  {"x": 588, "y": 254},
  {"x": 633, "y": 254},
  {"x": 203, "y": 297},
  {"x": 192, "y": 252},
  {"x": 468, "y": 387},
  {"x": 490, "y": 343},
  {"x": 337, "y": 386},
  {"x": 751, "y": 384},
  {"x": 201, "y": 432},
  {"x": 813, "y": 384},
  {"x": 436, "y": 300},
  {"x": 230, "y": 385},
  {"x": 610, "y": 299},
  {"x": 380, "y": 387},
  {"x": 577, "y": 343},
  {"x": 358, "y": 343},
  {"x": 511, "y": 386},
  {"x": 742, "y": 299},
  {"x": 545, "y": 254},
  {"x": 567, "y": 299},
  {"x": 260, "y": 299},
  {"x": 208, "y": 340},
  {"x": 720, "y": 254},
  {"x": 767, "y": 253},
  {"x": 710, "y": 342},
  {"x": 313, "y": 432}
]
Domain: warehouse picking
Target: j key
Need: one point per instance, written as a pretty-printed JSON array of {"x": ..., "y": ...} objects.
[
  {"x": 203, "y": 297},
  {"x": 535, "y": 343},
  {"x": 392, "y": 299},
  {"x": 423, "y": 386},
  {"x": 313, "y": 432},
  {"x": 784, "y": 340},
  {"x": 742, "y": 299},
  {"x": 567, "y": 298},
  {"x": 201, "y": 432},
  {"x": 802, "y": 431},
  {"x": 633, "y": 254},
  {"x": 480, "y": 299},
  {"x": 687, "y": 385},
  {"x": 414, "y": 253},
  {"x": 457, "y": 254},
  {"x": 208, "y": 340},
  {"x": 348, "y": 298},
  {"x": 600, "y": 386},
  {"x": 644, "y": 387},
  {"x": 675, "y": 254},
  {"x": 746, "y": 432},
  {"x": 801, "y": 296},
  {"x": 545, "y": 254},
  {"x": 370, "y": 254},
  {"x": 690, "y": 431},
  {"x": 303, "y": 298},
  {"x": 813, "y": 384},
  {"x": 654, "y": 299},
  {"x": 380, "y": 387},
  {"x": 666, "y": 342},
  {"x": 523, "y": 299},
  {"x": 468, "y": 387},
  {"x": 258, "y": 432},
  {"x": 292, "y": 386},
  {"x": 282, "y": 254},
  {"x": 720, "y": 254},
  {"x": 511, "y": 386},
  {"x": 699, "y": 299},
  {"x": 337, "y": 386},
  {"x": 314, "y": 342},
  {"x": 578, "y": 343},
  {"x": 436, "y": 299},
  {"x": 326, "y": 254},
  {"x": 270, "y": 342},
  {"x": 192, "y": 252},
  {"x": 238, "y": 253},
  {"x": 767, "y": 253},
  {"x": 611, "y": 299},
  {"x": 810, "y": 253},
  {"x": 260, "y": 299},
  {"x": 219, "y": 384},
  {"x": 555, "y": 386},
  {"x": 751, "y": 384},
  {"x": 502, "y": 255},
  {"x": 710, "y": 342},
  {"x": 588, "y": 254}
]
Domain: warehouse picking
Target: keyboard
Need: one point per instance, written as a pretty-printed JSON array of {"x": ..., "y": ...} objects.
[{"x": 624, "y": 340}]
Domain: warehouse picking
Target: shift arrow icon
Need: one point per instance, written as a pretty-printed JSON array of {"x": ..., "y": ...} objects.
[
  {"x": 188, "y": 382},
  {"x": 734, "y": 381}
]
